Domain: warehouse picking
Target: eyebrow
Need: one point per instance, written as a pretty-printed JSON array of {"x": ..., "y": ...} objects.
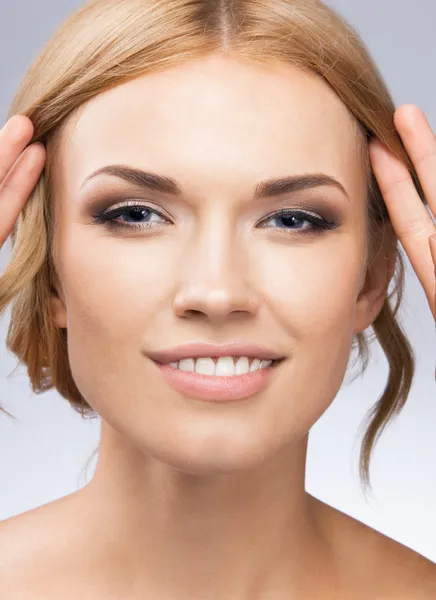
[{"x": 265, "y": 188}]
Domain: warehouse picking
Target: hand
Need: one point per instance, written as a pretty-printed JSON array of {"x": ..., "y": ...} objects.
[
  {"x": 20, "y": 169},
  {"x": 410, "y": 219}
]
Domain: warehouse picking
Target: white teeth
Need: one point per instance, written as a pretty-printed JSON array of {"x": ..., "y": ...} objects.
[
  {"x": 187, "y": 364},
  {"x": 255, "y": 365},
  {"x": 205, "y": 366},
  {"x": 224, "y": 366},
  {"x": 242, "y": 366}
]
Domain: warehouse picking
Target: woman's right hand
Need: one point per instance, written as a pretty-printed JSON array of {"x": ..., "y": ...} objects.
[{"x": 20, "y": 169}]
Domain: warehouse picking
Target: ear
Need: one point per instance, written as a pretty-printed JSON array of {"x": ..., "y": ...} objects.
[
  {"x": 380, "y": 271},
  {"x": 58, "y": 309}
]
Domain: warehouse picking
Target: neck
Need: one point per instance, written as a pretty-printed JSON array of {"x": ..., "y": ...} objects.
[{"x": 172, "y": 534}]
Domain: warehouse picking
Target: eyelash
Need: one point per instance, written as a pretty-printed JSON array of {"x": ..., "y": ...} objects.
[{"x": 318, "y": 224}]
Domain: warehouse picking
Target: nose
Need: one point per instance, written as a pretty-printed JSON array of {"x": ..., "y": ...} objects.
[{"x": 214, "y": 279}]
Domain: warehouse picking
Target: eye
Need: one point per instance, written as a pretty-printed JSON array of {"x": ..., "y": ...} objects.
[
  {"x": 292, "y": 220},
  {"x": 139, "y": 216}
]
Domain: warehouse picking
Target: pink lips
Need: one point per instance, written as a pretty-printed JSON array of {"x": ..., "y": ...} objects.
[
  {"x": 210, "y": 387},
  {"x": 199, "y": 348}
]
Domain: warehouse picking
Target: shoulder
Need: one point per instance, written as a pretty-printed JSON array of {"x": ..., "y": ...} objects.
[
  {"x": 28, "y": 543},
  {"x": 373, "y": 561}
]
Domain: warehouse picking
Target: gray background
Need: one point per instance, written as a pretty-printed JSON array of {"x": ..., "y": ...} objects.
[{"x": 43, "y": 454}]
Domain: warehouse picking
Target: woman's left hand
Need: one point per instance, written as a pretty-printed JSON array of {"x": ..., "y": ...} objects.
[{"x": 410, "y": 219}]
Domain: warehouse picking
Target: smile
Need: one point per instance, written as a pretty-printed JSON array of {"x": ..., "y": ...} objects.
[{"x": 222, "y": 387}]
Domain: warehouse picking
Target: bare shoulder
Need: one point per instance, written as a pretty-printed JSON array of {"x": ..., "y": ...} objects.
[
  {"x": 29, "y": 525},
  {"x": 389, "y": 569},
  {"x": 30, "y": 541}
]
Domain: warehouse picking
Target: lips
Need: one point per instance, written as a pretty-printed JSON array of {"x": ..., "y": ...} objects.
[
  {"x": 218, "y": 389},
  {"x": 201, "y": 349}
]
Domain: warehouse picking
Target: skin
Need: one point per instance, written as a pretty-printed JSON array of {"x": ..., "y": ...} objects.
[{"x": 193, "y": 499}]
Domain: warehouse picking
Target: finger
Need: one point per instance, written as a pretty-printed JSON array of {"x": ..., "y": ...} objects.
[
  {"x": 410, "y": 219},
  {"x": 420, "y": 143},
  {"x": 18, "y": 185},
  {"x": 14, "y": 137}
]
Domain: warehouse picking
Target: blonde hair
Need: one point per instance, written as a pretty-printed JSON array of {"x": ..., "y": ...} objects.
[{"x": 108, "y": 42}]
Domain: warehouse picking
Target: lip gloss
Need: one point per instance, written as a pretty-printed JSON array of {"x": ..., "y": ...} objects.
[{"x": 217, "y": 388}]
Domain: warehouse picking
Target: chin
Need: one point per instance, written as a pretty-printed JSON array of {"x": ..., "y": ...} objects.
[{"x": 214, "y": 454}]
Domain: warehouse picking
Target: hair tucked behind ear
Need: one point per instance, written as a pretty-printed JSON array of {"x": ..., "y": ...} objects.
[{"x": 108, "y": 42}]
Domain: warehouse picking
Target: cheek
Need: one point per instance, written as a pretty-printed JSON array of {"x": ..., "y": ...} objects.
[
  {"x": 313, "y": 287},
  {"x": 112, "y": 285},
  {"x": 113, "y": 291},
  {"x": 312, "y": 293}
]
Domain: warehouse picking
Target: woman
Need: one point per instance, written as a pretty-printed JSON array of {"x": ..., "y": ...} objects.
[{"x": 198, "y": 243}]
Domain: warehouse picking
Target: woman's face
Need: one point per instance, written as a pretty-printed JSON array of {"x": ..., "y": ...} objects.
[{"x": 214, "y": 263}]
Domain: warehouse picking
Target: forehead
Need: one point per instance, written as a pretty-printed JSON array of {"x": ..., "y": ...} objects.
[{"x": 216, "y": 115}]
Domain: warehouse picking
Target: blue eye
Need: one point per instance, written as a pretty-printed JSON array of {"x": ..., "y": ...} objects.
[
  {"x": 139, "y": 216},
  {"x": 292, "y": 220},
  {"x": 135, "y": 212}
]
